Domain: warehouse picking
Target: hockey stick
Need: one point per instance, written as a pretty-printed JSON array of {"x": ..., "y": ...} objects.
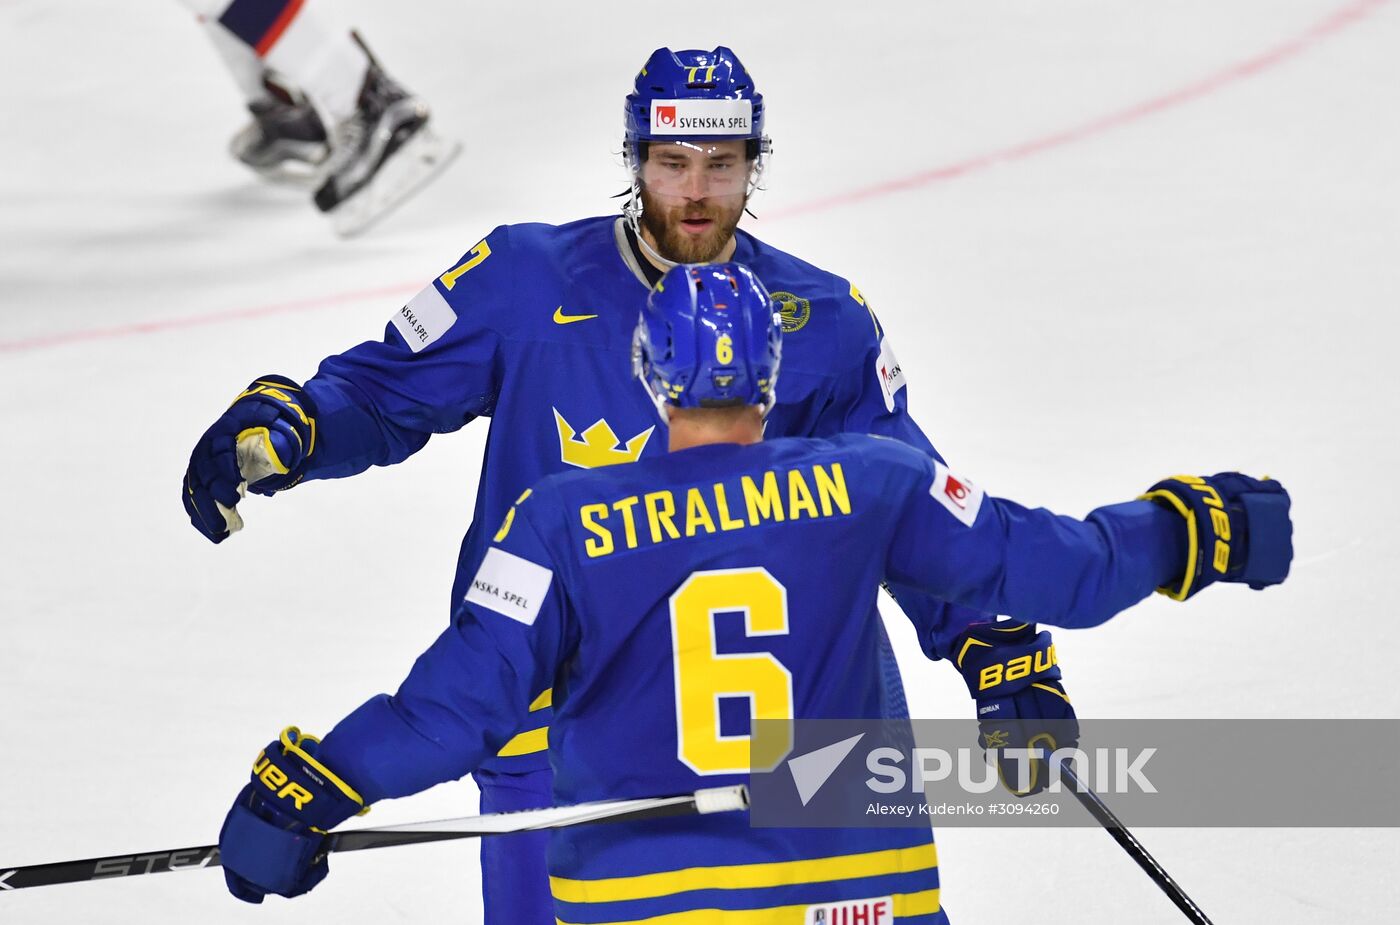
[
  {"x": 701, "y": 802},
  {"x": 1100, "y": 811}
]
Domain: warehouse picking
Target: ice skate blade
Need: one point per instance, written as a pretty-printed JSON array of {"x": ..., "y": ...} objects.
[
  {"x": 294, "y": 164},
  {"x": 309, "y": 178},
  {"x": 421, "y": 159}
]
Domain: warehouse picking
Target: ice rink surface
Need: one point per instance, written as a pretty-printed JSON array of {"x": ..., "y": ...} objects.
[{"x": 1111, "y": 241}]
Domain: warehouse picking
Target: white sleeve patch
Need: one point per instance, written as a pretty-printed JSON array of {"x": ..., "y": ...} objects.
[
  {"x": 424, "y": 319},
  {"x": 962, "y": 498},
  {"x": 891, "y": 376},
  {"x": 510, "y": 585}
]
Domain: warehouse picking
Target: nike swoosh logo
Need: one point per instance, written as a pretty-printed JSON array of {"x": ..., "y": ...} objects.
[{"x": 561, "y": 318}]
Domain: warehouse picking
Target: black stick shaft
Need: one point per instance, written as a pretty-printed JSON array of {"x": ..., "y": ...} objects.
[
  {"x": 117, "y": 865},
  {"x": 1100, "y": 811}
]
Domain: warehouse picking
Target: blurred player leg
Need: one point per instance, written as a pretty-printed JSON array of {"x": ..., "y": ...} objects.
[
  {"x": 382, "y": 154},
  {"x": 303, "y": 73},
  {"x": 285, "y": 142},
  {"x": 514, "y": 878}
]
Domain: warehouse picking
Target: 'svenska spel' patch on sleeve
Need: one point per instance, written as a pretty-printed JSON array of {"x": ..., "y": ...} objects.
[
  {"x": 511, "y": 586},
  {"x": 701, "y": 117},
  {"x": 888, "y": 369},
  {"x": 962, "y": 499},
  {"x": 425, "y": 318}
]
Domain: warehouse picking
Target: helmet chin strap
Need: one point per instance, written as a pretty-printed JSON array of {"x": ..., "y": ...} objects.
[
  {"x": 656, "y": 399},
  {"x": 633, "y": 213},
  {"x": 666, "y": 263}
]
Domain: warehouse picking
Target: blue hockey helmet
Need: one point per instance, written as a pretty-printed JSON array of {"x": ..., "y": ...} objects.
[
  {"x": 710, "y": 336},
  {"x": 694, "y": 95},
  {"x": 696, "y": 101}
]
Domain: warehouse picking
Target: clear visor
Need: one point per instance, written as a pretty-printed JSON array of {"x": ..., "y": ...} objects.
[{"x": 698, "y": 169}]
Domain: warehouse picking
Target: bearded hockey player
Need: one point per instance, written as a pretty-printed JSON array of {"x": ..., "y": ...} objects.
[
  {"x": 733, "y": 567},
  {"x": 527, "y": 329}
]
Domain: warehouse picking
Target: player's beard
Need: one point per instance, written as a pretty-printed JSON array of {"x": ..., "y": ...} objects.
[{"x": 664, "y": 223}]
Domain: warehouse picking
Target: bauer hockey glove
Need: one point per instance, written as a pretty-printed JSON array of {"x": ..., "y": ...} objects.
[
  {"x": 1237, "y": 529},
  {"x": 273, "y": 837},
  {"x": 1023, "y": 712},
  {"x": 263, "y": 439}
]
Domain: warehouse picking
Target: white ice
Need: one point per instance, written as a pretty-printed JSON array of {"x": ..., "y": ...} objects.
[{"x": 1208, "y": 286}]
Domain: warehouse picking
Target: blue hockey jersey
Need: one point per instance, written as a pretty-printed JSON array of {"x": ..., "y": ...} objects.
[
  {"x": 652, "y": 598},
  {"x": 534, "y": 327}
]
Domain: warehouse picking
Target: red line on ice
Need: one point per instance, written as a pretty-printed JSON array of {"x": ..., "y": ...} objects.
[
  {"x": 195, "y": 321},
  {"x": 1333, "y": 23}
]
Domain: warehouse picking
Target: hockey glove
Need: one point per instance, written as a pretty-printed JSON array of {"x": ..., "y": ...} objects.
[
  {"x": 273, "y": 837},
  {"x": 1237, "y": 529},
  {"x": 264, "y": 438},
  {"x": 1023, "y": 711}
]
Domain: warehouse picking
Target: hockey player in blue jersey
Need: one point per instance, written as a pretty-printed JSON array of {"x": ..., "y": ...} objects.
[
  {"x": 526, "y": 329},
  {"x": 733, "y": 567}
]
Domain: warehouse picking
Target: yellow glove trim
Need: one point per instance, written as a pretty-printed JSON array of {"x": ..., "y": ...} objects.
[
  {"x": 968, "y": 645},
  {"x": 1054, "y": 690},
  {"x": 1193, "y": 544},
  {"x": 1040, "y": 740},
  {"x": 290, "y": 737},
  {"x": 277, "y": 465}
]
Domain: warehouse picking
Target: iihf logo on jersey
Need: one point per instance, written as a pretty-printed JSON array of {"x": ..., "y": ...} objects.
[{"x": 853, "y": 912}]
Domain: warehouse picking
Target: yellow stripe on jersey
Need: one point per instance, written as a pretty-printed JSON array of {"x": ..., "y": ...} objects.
[
  {"x": 533, "y": 740},
  {"x": 925, "y": 902},
  {"x": 746, "y": 876},
  {"x": 526, "y": 743}
]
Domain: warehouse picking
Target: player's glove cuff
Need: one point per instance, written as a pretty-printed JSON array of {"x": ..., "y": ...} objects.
[
  {"x": 296, "y": 785},
  {"x": 284, "y": 415}
]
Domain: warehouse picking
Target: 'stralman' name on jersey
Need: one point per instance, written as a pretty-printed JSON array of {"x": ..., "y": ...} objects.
[{"x": 811, "y": 491}]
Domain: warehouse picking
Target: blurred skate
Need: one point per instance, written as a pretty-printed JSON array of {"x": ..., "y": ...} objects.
[
  {"x": 286, "y": 142},
  {"x": 381, "y": 155}
]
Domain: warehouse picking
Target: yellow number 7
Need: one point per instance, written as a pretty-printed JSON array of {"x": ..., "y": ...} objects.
[
  {"x": 478, "y": 254},
  {"x": 703, "y": 675}
]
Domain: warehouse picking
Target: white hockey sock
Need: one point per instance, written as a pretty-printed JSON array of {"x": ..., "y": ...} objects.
[
  {"x": 323, "y": 61},
  {"x": 242, "y": 62},
  {"x": 312, "y": 49}
]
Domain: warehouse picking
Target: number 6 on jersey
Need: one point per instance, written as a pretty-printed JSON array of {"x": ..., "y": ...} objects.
[{"x": 703, "y": 675}]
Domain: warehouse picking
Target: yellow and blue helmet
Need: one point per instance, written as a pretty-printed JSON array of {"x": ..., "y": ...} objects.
[
  {"x": 694, "y": 95},
  {"x": 709, "y": 337}
]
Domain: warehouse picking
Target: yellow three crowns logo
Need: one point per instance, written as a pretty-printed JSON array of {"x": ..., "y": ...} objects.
[{"x": 598, "y": 445}]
